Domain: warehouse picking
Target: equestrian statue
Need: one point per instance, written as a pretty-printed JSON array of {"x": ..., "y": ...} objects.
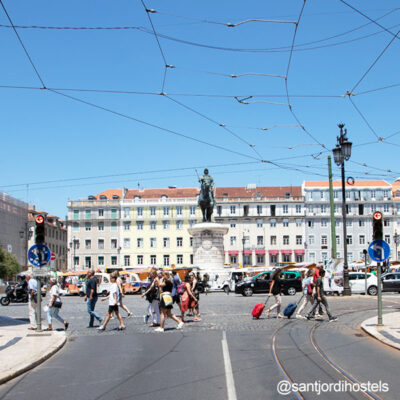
[{"x": 206, "y": 198}]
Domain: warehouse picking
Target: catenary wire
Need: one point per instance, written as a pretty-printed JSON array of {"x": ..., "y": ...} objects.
[
  {"x": 376, "y": 90},
  {"x": 364, "y": 118}
]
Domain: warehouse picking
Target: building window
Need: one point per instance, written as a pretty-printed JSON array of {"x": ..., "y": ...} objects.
[
  {"x": 127, "y": 243},
  {"x": 349, "y": 256},
  {"x": 324, "y": 222},
  {"x": 114, "y": 213},
  {"x": 76, "y": 214},
  {"x": 126, "y": 212},
  {"x": 192, "y": 222},
  {"x": 75, "y": 227},
  {"x": 311, "y": 239},
  {"x": 153, "y": 225},
  {"x": 373, "y": 194},
  {"x": 179, "y": 242},
  {"x": 166, "y": 260},
  {"x": 101, "y": 212},
  {"x": 361, "y": 222},
  {"x": 338, "y": 240},
  {"x": 260, "y": 259},
  {"x": 349, "y": 222},
  {"x": 286, "y": 257},
  {"x": 259, "y": 223},
  {"x": 387, "y": 238},
  {"x": 179, "y": 225},
  {"x": 298, "y": 208},
  {"x": 362, "y": 239},
  {"x": 273, "y": 240},
  {"x": 285, "y": 209},
  {"x": 233, "y": 240},
  {"x": 219, "y": 210},
  {"x": 165, "y": 211},
  {"x": 233, "y": 224},
  {"x": 192, "y": 210},
  {"x": 233, "y": 259},
  {"x": 87, "y": 214},
  {"x": 299, "y": 239},
  {"x": 76, "y": 244},
  {"x": 349, "y": 239},
  {"x": 191, "y": 242},
  {"x": 113, "y": 243},
  {"x": 140, "y": 260},
  {"x": 272, "y": 223},
  {"x": 260, "y": 240},
  {"x": 285, "y": 239},
  {"x": 298, "y": 223},
  {"x": 127, "y": 225},
  {"x": 233, "y": 210},
  {"x": 324, "y": 256},
  {"x": 285, "y": 223},
  {"x": 335, "y": 194},
  {"x": 299, "y": 258},
  {"x": 178, "y": 210},
  {"x": 323, "y": 209},
  {"x": 310, "y": 223},
  {"x": 100, "y": 260},
  {"x": 127, "y": 261},
  {"x": 113, "y": 226},
  {"x": 386, "y": 222},
  {"x": 311, "y": 257},
  {"x": 153, "y": 259},
  {"x": 88, "y": 226},
  {"x": 100, "y": 244},
  {"x": 259, "y": 210},
  {"x": 165, "y": 224},
  {"x": 324, "y": 240},
  {"x": 140, "y": 211},
  {"x": 273, "y": 210},
  {"x": 179, "y": 259},
  {"x": 273, "y": 259},
  {"x": 373, "y": 208},
  {"x": 152, "y": 211},
  {"x": 88, "y": 244},
  {"x": 166, "y": 242},
  {"x": 139, "y": 242},
  {"x": 88, "y": 262},
  {"x": 153, "y": 242},
  {"x": 113, "y": 260}
]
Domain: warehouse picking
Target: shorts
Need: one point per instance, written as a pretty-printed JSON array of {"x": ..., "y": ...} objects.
[{"x": 112, "y": 309}]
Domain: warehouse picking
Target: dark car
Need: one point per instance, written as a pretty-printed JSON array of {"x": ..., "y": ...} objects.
[
  {"x": 291, "y": 283},
  {"x": 391, "y": 282}
]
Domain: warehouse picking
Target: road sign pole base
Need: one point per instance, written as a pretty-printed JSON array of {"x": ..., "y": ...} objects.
[{"x": 346, "y": 292}]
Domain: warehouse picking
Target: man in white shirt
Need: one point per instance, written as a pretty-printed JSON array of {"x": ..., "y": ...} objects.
[{"x": 32, "y": 302}]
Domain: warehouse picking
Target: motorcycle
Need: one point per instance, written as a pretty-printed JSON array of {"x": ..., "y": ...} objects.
[{"x": 14, "y": 295}]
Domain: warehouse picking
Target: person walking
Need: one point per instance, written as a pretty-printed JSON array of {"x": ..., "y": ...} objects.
[
  {"x": 113, "y": 303},
  {"x": 315, "y": 277},
  {"x": 176, "y": 281},
  {"x": 188, "y": 299},
  {"x": 275, "y": 290},
  {"x": 307, "y": 289},
  {"x": 32, "y": 301},
  {"x": 166, "y": 302},
  {"x": 121, "y": 292},
  {"x": 54, "y": 306},
  {"x": 196, "y": 292},
  {"x": 152, "y": 296},
  {"x": 91, "y": 298},
  {"x": 320, "y": 298}
]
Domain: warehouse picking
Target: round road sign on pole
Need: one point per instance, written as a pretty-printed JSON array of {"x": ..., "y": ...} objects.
[
  {"x": 52, "y": 257},
  {"x": 377, "y": 215},
  {"x": 39, "y": 219}
]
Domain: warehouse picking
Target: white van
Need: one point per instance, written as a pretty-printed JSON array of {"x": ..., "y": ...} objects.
[{"x": 103, "y": 284}]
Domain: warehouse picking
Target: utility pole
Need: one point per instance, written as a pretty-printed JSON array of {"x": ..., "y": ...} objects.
[{"x": 332, "y": 205}]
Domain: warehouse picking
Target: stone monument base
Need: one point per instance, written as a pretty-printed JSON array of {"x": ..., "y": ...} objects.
[{"x": 208, "y": 245}]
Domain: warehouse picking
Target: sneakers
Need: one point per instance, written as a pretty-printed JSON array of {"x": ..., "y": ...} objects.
[
  {"x": 159, "y": 329},
  {"x": 146, "y": 318},
  {"x": 309, "y": 317},
  {"x": 101, "y": 328},
  {"x": 121, "y": 328},
  {"x": 180, "y": 325},
  {"x": 298, "y": 316},
  {"x": 333, "y": 319},
  {"x": 66, "y": 325},
  {"x": 129, "y": 315}
]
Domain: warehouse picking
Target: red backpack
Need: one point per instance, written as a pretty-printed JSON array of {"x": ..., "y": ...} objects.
[{"x": 181, "y": 288}]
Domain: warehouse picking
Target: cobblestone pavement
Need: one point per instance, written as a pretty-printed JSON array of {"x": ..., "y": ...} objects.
[{"x": 218, "y": 310}]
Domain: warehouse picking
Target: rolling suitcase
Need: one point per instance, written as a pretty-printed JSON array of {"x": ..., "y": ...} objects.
[
  {"x": 291, "y": 308},
  {"x": 258, "y": 309}
]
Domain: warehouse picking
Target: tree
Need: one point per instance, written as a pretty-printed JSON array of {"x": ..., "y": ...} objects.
[{"x": 8, "y": 264}]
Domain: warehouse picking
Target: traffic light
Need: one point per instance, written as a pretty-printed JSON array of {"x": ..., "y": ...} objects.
[
  {"x": 40, "y": 229},
  {"x": 377, "y": 226}
]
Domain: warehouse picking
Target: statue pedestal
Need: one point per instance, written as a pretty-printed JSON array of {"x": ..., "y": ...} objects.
[{"x": 208, "y": 245}]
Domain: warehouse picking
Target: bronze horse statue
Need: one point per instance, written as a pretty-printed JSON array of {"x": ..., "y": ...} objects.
[{"x": 206, "y": 201}]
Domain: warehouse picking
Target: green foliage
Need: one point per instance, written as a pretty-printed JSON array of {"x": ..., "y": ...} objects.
[{"x": 8, "y": 264}]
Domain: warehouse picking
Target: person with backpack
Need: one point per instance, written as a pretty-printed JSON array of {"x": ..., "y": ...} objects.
[
  {"x": 188, "y": 299},
  {"x": 166, "y": 302},
  {"x": 307, "y": 290},
  {"x": 275, "y": 290},
  {"x": 176, "y": 281},
  {"x": 152, "y": 296},
  {"x": 320, "y": 298}
]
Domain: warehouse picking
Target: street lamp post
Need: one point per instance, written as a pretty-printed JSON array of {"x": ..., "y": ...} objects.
[
  {"x": 243, "y": 242},
  {"x": 396, "y": 239},
  {"x": 342, "y": 153}
]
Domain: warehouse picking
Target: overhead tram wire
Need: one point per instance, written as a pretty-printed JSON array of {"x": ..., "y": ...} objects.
[
  {"x": 286, "y": 79},
  {"x": 22, "y": 45},
  {"x": 166, "y": 65},
  {"x": 376, "y": 90},
  {"x": 170, "y": 131},
  {"x": 365, "y": 119}
]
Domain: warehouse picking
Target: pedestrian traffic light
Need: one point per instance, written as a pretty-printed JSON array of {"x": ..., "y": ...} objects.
[
  {"x": 377, "y": 226},
  {"x": 40, "y": 229}
]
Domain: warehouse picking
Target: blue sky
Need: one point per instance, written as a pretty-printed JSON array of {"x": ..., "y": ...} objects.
[{"x": 48, "y": 137}]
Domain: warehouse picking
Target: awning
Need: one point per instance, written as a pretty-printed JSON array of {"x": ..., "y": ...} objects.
[
  {"x": 299, "y": 251},
  {"x": 261, "y": 251},
  {"x": 233, "y": 252},
  {"x": 286, "y": 251},
  {"x": 247, "y": 252},
  {"x": 273, "y": 252}
]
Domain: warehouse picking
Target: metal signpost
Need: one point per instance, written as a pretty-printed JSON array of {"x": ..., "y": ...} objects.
[
  {"x": 379, "y": 251},
  {"x": 365, "y": 252},
  {"x": 39, "y": 256}
]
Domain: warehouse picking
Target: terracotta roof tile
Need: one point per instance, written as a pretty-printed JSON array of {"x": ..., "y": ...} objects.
[
  {"x": 317, "y": 184},
  {"x": 157, "y": 193},
  {"x": 110, "y": 193},
  {"x": 264, "y": 191}
]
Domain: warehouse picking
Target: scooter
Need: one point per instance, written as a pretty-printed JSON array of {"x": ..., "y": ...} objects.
[{"x": 14, "y": 296}]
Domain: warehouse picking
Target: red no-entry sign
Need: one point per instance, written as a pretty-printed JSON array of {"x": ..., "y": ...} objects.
[{"x": 52, "y": 257}]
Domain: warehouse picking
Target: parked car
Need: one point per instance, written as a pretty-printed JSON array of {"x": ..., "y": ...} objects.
[
  {"x": 291, "y": 283},
  {"x": 391, "y": 282},
  {"x": 357, "y": 283}
]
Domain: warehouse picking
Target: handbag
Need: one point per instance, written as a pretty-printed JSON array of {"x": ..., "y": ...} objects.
[
  {"x": 167, "y": 299},
  {"x": 57, "y": 303}
]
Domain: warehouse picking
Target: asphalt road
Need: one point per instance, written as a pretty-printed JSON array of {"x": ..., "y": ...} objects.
[{"x": 225, "y": 356}]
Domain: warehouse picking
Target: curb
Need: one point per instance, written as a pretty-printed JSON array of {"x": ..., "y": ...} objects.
[
  {"x": 375, "y": 334},
  {"x": 27, "y": 367}
]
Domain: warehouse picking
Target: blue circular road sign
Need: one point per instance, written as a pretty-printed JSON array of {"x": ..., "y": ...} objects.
[
  {"x": 379, "y": 250},
  {"x": 39, "y": 255}
]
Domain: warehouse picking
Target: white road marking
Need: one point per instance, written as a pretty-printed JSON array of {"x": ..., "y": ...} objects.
[{"x": 230, "y": 382}]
